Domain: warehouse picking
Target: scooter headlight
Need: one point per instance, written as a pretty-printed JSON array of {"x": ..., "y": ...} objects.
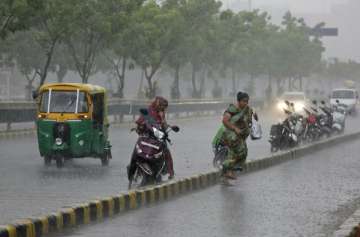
[
  {"x": 158, "y": 134},
  {"x": 299, "y": 106},
  {"x": 58, "y": 141}
]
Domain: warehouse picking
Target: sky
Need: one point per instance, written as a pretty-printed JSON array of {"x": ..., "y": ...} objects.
[
  {"x": 299, "y": 6},
  {"x": 335, "y": 13}
]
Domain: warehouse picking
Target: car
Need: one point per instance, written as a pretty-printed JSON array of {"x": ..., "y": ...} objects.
[
  {"x": 346, "y": 96},
  {"x": 297, "y": 97}
]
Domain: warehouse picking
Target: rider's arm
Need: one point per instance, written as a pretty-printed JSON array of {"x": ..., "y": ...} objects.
[{"x": 228, "y": 124}]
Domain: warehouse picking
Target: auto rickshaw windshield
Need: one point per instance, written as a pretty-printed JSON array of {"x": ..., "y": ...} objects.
[{"x": 63, "y": 102}]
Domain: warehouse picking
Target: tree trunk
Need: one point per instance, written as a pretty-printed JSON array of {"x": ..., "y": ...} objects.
[
  {"x": 61, "y": 73},
  {"x": 121, "y": 77},
  {"x": 202, "y": 83},
  {"x": 193, "y": 81},
  {"x": 233, "y": 79},
  {"x": 140, "y": 93},
  {"x": 269, "y": 88},
  {"x": 175, "y": 91},
  {"x": 49, "y": 55},
  {"x": 29, "y": 90},
  {"x": 151, "y": 93}
]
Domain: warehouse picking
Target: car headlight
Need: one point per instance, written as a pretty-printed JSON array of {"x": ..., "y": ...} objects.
[
  {"x": 58, "y": 141},
  {"x": 281, "y": 105},
  {"x": 157, "y": 133}
]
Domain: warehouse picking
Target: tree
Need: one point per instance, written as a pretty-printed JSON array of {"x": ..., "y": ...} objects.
[
  {"x": 95, "y": 23},
  {"x": 48, "y": 28},
  {"x": 20, "y": 51},
  {"x": 155, "y": 37},
  {"x": 118, "y": 54},
  {"x": 15, "y": 15}
]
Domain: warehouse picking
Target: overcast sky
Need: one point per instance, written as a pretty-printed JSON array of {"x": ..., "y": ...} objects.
[
  {"x": 335, "y": 13},
  {"x": 300, "y": 6}
]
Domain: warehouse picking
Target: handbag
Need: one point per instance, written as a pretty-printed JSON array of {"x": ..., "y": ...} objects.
[{"x": 256, "y": 131}]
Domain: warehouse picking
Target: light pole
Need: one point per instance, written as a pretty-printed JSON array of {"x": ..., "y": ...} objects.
[{"x": 250, "y": 5}]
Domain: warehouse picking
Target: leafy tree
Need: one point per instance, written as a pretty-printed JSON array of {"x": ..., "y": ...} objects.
[
  {"x": 15, "y": 15},
  {"x": 155, "y": 37}
]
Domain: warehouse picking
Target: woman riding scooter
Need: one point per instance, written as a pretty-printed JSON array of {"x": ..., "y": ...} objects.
[{"x": 157, "y": 112}]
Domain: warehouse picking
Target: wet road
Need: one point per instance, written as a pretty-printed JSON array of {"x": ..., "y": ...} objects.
[
  {"x": 310, "y": 196},
  {"x": 27, "y": 188}
]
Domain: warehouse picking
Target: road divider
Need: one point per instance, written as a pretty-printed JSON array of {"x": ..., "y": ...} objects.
[{"x": 97, "y": 210}]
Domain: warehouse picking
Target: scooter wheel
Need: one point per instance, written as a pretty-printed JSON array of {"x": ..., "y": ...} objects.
[{"x": 60, "y": 162}]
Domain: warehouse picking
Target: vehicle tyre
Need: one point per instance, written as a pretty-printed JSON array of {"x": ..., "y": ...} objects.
[
  {"x": 47, "y": 160},
  {"x": 273, "y": 148},
  {"x": 60, "y": 161},
  {"x": 146, "y": 180},
  {"x": 105, "y": 160},
  {"x": 219, "y": 158}
]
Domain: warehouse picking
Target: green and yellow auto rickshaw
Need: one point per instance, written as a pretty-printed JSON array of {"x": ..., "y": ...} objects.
[{"x": 72, "y": 123}]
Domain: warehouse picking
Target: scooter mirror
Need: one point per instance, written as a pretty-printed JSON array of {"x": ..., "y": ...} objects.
[
  {"x": 175, "y": 128},
  {"x": 144, "y": 112}
]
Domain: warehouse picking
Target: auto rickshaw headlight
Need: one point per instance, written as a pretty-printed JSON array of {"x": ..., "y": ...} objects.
[{"x": 58, "y": 141}]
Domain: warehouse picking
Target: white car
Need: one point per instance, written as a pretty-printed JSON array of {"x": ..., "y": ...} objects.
[
  {"x": 296, "y": 97},
  {"x": 348, "y": 97}
]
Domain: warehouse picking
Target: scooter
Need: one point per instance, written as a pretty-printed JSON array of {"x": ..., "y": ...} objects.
[
  {"x": 149, "y": 153},
  {"x": 339, "y": 116}
]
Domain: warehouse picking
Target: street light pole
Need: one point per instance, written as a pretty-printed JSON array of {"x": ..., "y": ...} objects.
[{"x": 250, "y": 5}]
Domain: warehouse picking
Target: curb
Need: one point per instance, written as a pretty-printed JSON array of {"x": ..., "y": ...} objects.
[
  {"x": 98, "y": 210},
  {"x": 347, "y": 229}
]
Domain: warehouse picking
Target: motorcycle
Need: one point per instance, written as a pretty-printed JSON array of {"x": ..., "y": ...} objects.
[
  {"x": 312, "y": 130},
  {"x": 284, "y": 135},
  {"x": 149, "y": 152}
]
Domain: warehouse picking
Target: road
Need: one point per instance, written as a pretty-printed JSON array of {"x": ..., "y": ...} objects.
[
  {"x": 27, "y": 188},
  {"x": 310, "y": 196}
]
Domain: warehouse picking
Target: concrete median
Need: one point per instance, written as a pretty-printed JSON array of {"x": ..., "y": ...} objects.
[{"x": 97, "y": 210}]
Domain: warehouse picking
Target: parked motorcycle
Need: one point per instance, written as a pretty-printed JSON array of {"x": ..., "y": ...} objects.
[
  {"x": 149, "y": 152},
  {"x": 284, "y": 135},
  {"x": 312, "y": 129},
  {"x": 338, "y": 116}
]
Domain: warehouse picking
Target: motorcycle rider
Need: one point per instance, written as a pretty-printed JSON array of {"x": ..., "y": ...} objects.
[
  {"x": 237, "y": 122},
  {"x": 156, "y": 111}
]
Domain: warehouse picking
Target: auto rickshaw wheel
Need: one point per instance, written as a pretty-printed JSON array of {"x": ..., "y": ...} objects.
[
  {"x": 60, "y": 161},
  {"x": 105, "y": 159},
  {"x": 47, "y": 160}
]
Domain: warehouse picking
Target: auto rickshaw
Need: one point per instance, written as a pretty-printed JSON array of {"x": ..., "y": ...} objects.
[{"x": 72, "y": 123}]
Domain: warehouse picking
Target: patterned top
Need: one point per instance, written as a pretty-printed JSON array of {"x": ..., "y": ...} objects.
[{"x": 241, "y": 118}]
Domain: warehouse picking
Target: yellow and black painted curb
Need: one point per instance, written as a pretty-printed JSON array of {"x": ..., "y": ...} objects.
[{"x": 97, "y": 210}]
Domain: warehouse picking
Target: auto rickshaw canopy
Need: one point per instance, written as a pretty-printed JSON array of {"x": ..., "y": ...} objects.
[{"x": 92, "y": 91}]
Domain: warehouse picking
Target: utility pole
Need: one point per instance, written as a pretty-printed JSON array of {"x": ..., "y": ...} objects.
[{"x": 250, "y": 5}]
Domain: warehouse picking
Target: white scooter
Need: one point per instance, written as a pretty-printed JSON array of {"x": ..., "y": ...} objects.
[{"x": 339, "y": 116}]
